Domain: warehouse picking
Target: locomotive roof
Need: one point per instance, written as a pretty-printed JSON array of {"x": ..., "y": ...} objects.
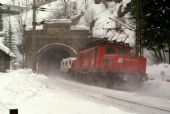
[{"x": 105, "y": 41}]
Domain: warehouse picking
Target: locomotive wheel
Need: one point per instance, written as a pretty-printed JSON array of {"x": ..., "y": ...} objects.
[
  {"x": 70, "y": 74},
  {"x": 73, "y": 75},
  {"x": 91, "y": 79},
  {"x": 134, "y": 81},
  {"x": 104, "y": 80}
]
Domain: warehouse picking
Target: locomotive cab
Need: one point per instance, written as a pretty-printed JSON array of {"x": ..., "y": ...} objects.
[
  {"x": 119, "y": 60},
  {"x": 114, "y": 56},
  {"x": 118, "y": 49},
  {"x": 122, "y": 60}
]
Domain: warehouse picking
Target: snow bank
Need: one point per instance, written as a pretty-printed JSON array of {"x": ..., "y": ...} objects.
[
  {"x": 35, "y": 94},
  {"x": 157, "y": 85},
  {"x": 18, "y": 86},
  {"x": 79, "y": 27},
  {"x": 155, "y": 71}
]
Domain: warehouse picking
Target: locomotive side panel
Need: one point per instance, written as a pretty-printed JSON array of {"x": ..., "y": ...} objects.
[
  {"x": 85, "y": 60},
  {"x": 123, "y": 62},
  {"x": 100, "y": 51}
]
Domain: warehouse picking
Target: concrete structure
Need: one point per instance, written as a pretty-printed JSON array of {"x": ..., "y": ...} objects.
[
  {"x": 55, "y": 41},
  {"x": 11, "y": 9}
]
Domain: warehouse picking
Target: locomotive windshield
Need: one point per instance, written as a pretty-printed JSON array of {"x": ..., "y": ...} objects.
[
  {"x": 123, "y": 51},
  {"x": 110, "y": 50}
]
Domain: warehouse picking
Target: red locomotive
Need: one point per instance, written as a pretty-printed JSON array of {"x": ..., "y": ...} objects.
[{"x": 109, "y": 62}]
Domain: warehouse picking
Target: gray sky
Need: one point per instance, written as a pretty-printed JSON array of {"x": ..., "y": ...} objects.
[{"x": 8, "y": 1}]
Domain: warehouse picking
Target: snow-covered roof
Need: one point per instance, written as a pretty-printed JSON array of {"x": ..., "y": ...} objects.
[
  {"x": 75, "y": 27},
  {"x": 39, "y": 27},
  {"x": 59, "y": 21},
  {"x": 5, "y": 49},
  {"x": 52, "y": 21},
  {"x": 79, "y": 27}
]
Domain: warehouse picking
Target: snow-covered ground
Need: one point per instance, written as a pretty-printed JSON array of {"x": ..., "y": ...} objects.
[
  {"x": 159, "y": 82},
  {"x": 33, "y": 93}
]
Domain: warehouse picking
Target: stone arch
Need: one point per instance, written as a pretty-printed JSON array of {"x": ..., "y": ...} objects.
[{"x": 48, "y": 58}]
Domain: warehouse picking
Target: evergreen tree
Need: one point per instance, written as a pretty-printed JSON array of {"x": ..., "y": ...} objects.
[
  {"x": 156, "y": 26},
  {"x": 9, "y": 39},
  {"x": 153, "y": 26}
]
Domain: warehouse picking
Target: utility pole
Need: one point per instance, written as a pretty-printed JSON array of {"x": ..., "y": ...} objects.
[
  {"x": 169, "y": 52},
  {"x": 66, "y": 8},
  {"x": 139, "y": 50},
  {"x": 23, "y": 47},
  {"x": 86, "y": 4},
  {"x": 34, "y": 7},
  {"x": 1, "y": 20}
]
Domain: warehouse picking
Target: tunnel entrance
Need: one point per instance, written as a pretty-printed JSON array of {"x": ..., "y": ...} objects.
[{"x": 48, "y": 59}]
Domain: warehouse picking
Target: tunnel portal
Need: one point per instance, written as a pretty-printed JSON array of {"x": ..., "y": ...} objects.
[{"x": 48, "y": 58}]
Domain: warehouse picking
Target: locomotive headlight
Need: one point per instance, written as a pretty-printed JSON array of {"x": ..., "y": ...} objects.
[{"x": 120, "y": 60}]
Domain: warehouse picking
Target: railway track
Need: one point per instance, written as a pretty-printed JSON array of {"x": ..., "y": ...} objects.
[
  {"x": 140, "y": 108},
  {"x": 128, "y": 101}
]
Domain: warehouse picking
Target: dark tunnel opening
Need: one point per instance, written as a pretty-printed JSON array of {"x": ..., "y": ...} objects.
[{"x": 49, "y": 59}]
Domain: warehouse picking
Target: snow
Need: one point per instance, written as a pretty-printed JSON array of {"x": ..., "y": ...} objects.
[
  {"x": 59, "y": 21},
  {"x": 18, "y": 86},
  {"x": 65, "y": 104},
  {"x": 31, "y": 94},
  {"x": 157, "y": 85},
  {"x": 34, "y": 93},
  {"x": 79, "y": 27},
  {"x": 155, "y": 71},
  {"x": 39, "y": 27},
  {"x": 102, "y": 16}
]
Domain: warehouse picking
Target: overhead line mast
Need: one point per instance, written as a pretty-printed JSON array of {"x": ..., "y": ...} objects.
[
  {"x": 1, "y": 20},
  {"x": 139, "y": 50},
  {"x": 34, "y": 7}
]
